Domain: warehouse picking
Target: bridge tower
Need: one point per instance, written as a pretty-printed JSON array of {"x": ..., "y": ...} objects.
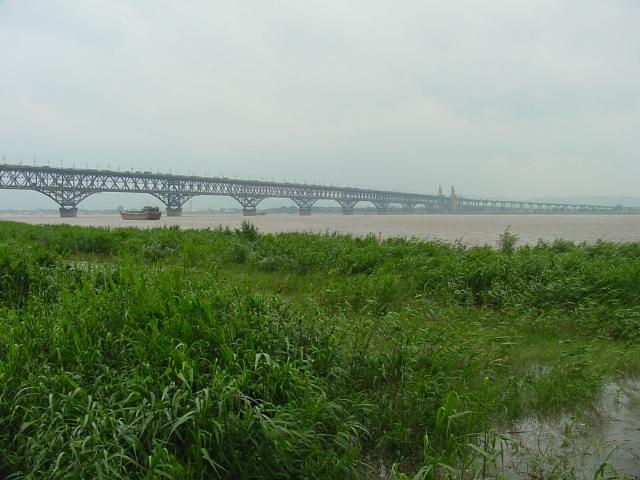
[{"x": 454, "y": 200}]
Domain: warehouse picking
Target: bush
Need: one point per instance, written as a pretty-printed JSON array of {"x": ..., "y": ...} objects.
[
  {"x": 248, "y": 230},
  {"x": 507, "y": 241}
]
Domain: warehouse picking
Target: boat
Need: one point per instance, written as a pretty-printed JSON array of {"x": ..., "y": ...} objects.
[{"x": 147, "y": 213}]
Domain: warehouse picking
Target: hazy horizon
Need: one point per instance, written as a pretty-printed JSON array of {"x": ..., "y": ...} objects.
[{"x": 508, "y": 99}]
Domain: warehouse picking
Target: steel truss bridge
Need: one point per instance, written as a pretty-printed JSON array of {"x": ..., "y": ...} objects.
[{"x": 68, "y": 187}]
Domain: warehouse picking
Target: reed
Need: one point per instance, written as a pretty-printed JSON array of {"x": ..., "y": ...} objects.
[{"x": 168, "y": 353}]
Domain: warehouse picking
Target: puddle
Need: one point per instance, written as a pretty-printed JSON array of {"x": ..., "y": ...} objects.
[{"x": 607, "y": 439}]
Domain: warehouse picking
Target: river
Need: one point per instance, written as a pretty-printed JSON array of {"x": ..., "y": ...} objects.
[{"x": 469, "y": 229}]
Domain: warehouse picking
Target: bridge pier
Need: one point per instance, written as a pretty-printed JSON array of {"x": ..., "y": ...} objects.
[
  {"x": 347, "y": 206},
  {"x": 249, "y": 204},
  {"x": 304, "y": 205},
  {"x": 249, "y": 211},
  {"x": 408, "y": 207},
  {"x": 68, "y": 212},
  {"x": 174, "y": 211},
  {"x": 381, "y": 207},
  {"x": 173, "y": 197}
]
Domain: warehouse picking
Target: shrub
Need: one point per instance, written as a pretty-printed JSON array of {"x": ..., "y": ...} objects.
[{"x": 507, "y": 241}]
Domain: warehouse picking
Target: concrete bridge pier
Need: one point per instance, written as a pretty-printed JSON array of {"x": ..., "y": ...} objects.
[
  {"x": 381, "y": 207},
  {"x": 347, "y": 206},
  {"x": 304, "y": 205},
  {"x": 249, "y": 211},
  {"x": 173, "y": 199},
  {"x": 68, "y": 212},
  {"x": 408, "y": 207},
  {"x": 174, "y": 211},
  {"x": 249, "y": 204}
]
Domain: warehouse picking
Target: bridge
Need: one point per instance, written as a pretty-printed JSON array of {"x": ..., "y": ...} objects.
[{"x": 68, "y": 187}]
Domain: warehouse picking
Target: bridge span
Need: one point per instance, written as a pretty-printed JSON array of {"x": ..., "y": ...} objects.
[{"x": 69, "y": 186}]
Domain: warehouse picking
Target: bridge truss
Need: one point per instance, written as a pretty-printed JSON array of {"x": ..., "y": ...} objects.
[{"x": 68, "y": 187}]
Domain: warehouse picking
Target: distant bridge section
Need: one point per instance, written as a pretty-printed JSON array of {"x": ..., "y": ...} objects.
[{"x": 68, "y": 187}]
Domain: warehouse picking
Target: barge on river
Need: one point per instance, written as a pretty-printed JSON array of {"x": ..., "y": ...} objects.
[{"x": 147, "y": 213}]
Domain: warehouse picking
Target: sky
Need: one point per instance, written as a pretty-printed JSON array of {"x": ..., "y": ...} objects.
[{"x": 501, "y": 98}]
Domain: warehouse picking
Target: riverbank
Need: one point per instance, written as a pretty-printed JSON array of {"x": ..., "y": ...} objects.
[
  {"x": 476, "y": 229},
  {"x": 134, "y": 353}
]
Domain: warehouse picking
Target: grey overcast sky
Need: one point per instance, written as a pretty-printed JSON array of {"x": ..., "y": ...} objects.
[{"x": 502, "y": 98}]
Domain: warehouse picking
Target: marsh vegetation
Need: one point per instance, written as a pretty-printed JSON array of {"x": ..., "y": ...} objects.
[{"x": 163, "y": 353}]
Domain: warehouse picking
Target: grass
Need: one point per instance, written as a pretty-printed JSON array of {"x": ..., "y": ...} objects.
[{"x": 163, "y": 353}]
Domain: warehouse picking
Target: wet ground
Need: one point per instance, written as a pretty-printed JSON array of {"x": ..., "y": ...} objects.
[
  {"x": 606, "y": 440},
  {"x": 600, "y": 444}
]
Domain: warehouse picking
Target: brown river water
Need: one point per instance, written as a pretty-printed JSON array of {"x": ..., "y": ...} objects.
[{"x": 469, "y": 229}]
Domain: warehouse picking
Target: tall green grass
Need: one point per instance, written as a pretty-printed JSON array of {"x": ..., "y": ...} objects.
[{"x": 163, "y": 353}]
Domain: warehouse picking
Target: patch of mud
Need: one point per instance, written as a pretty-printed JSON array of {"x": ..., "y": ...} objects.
[{"x": 605, "y": 441}]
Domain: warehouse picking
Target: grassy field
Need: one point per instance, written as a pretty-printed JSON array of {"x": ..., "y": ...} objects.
[{"x": 215, "y": 353}]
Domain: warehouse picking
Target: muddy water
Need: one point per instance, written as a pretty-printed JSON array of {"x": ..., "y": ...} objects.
[
  {"x": 579, "y": 445},
  {"x": 470, "y": 229}
]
